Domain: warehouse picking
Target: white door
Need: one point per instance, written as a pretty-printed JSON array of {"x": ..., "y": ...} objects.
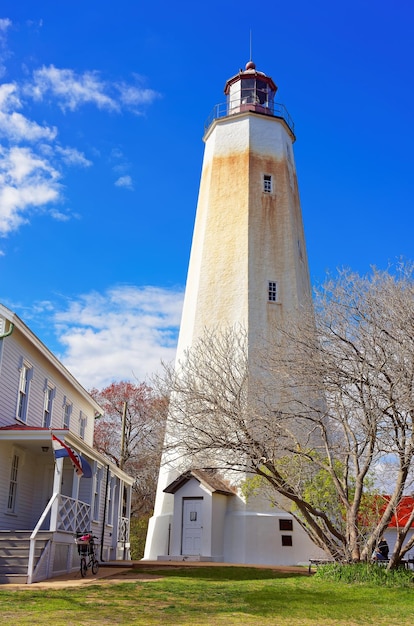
[{"x": 192, "y": 526}]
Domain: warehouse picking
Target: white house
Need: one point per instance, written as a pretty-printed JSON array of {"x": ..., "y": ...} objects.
[
  {"x": 44, "y": 502},
  {"x": 398, "y": 522}
]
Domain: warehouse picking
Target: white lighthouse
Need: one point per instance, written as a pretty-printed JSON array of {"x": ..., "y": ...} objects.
[{"x": 248, "y": 267}]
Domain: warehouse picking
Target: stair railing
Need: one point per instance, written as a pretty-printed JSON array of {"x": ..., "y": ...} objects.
[{"x": 33, "y": 536}]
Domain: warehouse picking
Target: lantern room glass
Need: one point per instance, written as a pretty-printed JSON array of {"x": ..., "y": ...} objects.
[{"x": 256, "y": 91}]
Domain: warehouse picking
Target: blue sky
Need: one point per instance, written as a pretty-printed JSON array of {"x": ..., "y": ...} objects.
[{"x": 102, "y": 107}]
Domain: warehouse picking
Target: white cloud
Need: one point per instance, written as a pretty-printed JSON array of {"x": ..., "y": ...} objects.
[
  {"x": 133, "y": 96},
  {"x": 69, "y": 89},
  {"x": 122, "y": 334},
  {"x": 23, "y": 164},
  {"x": 15, "y": 126},
  {"x": 124, "y": 181},
  {"x": 59, "y": 216},
  {"x": 73, "y": 90},
  {"x": 26, "y": 181},
  {"x": 9, "y": 98},
  {"x": 5, "y": 23},
  {"x": 72, "y": 156}
]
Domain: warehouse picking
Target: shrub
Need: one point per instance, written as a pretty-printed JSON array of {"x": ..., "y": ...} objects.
[
  {"x": 138, "y": 536},
  {"x": 365, "y": 573}
]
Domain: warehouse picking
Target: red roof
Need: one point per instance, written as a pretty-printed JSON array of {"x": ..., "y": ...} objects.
[{"x": 403, "y": 512}]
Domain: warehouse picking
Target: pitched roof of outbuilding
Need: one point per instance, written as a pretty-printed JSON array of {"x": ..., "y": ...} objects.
[{"x": 211, "y": 480}]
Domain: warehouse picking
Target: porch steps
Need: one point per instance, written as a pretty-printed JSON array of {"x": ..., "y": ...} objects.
[{"x": 14, "y": 554}]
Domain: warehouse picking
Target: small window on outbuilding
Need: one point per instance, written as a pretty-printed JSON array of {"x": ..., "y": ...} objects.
[
  {"x": 267, "y": 183},
  {"x": 287, "y": 540}
]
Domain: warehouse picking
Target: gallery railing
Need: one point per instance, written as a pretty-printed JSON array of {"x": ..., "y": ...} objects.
[{"x": 274, "y": 109}]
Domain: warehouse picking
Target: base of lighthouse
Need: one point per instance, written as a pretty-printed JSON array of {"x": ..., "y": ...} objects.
[{"x": 204, "y": 520}]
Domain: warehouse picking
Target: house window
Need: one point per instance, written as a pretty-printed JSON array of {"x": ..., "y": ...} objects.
[
  {"x": 67, "y": 410},
  {"x": 272, "y": 291},
  {"x": 11, "y": 501},
  {"x": 285, "y": 524},
  {"x": 267, "y": 183},
  {"x": 23, "y": 398},
  {"x": 82, "y": 425},
  {"x": 47, "y": 406},
  {"x": 287, "y": 540}
]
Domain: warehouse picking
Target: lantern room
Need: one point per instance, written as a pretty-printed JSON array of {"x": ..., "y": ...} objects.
[{"x": 250, "y": 90}]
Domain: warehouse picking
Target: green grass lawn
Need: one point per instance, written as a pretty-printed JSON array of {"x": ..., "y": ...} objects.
[{"x": 211, "y": 595}]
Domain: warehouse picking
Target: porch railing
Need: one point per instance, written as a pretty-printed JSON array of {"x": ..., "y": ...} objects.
[
  {"x": 123, "y": 535},
  {"x": 33, "y": 536},
  {"x": 73, "y": 515}
]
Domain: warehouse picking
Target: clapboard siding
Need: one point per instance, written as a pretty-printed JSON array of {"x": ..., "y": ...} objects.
[
  {"x": 28, "y": 492},
  {"x": 17, "y": 348},
  {"x": 9, "y": 382}
]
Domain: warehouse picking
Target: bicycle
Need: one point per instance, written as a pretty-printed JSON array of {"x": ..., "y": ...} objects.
[{"x": 86, "y": 548}]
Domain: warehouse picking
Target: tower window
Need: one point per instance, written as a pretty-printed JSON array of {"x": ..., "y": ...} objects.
[
  {"x": 267, "y": 183},
  {"x": 272, "y": 291}
]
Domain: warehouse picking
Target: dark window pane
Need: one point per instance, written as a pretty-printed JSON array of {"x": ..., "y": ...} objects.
[
  {"x": 285, "y": 524},
  {"x": 287, "y": 540}
]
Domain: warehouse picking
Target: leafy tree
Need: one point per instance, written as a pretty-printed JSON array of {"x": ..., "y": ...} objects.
[
  {"x": 313, "y": 412},
  {"x": 143, "y": 434}
]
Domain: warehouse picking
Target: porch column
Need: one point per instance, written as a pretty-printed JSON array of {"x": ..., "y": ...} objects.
[
  {"x": 75, "y": 486},
  {"x": 57, "y": 483}
]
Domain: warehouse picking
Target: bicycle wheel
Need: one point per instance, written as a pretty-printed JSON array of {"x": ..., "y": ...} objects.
[
  {"x": 83, "y": 567},
  {"x": 95, "y": 566}
]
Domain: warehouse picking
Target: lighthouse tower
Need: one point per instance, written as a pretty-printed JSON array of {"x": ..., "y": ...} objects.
[{"x": 248, "y": 267}]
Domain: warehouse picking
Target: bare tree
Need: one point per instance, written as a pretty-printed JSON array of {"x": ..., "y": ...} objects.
[
  {"x": 144, "y": 425},
  {"x": 311, "y": 416}
]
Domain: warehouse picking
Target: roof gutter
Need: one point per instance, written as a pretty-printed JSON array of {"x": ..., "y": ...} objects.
[{"x": 9, "y": 332}]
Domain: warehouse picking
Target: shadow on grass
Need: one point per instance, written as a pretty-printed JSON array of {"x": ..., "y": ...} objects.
[{"x": 219, "y": 573}]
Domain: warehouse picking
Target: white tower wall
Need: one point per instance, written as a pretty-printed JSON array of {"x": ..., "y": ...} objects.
[{"x": 244, "y": 237}]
